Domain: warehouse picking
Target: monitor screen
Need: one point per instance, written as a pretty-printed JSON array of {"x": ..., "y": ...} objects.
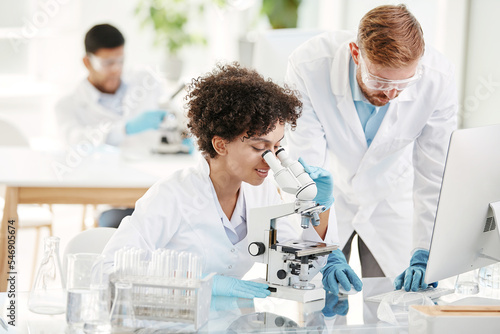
[{"x": 466, "y": 235}]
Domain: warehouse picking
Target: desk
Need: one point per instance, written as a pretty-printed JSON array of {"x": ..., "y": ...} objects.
[
  {"x": 261, "y": 315},
  {"x": 234, "y": 315},
  {"x": 100, "y": 177}
]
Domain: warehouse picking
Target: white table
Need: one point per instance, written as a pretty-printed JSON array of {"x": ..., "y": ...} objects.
[
  {"x": 102, "y": 177},
  {"x": 234, "y": 315}
]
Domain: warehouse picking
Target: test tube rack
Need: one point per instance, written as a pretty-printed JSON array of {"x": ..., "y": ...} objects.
[{"x": 166, "y": 299}]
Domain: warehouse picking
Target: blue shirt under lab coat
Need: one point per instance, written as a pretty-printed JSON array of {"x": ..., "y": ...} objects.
[{"x": 370, "y": 116}]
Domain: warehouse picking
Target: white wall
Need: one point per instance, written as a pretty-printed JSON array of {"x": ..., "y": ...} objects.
[{"x": 481, "y": 103}]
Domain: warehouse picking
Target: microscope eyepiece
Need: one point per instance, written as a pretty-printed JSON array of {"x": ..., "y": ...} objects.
[
  {"x": 266, "y": 152},
  {"x": 279, "y": 150}
]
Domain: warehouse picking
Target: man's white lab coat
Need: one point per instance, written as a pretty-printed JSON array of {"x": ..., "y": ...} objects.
[
  {"x": 81, "y": 118},
  {"x": 379, "y": 190},
  {"x": 181, "y": 213}
]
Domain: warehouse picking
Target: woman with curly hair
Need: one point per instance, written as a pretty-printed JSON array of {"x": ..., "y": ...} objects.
[{"x": 235, "y": 115}]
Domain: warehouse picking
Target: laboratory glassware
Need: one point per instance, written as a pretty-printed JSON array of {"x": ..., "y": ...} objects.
[
  {"x": 122, "y": 315},
  {"x": 48, "y": 294},
  {"x": 467, "y": 283},
  {"x": 87, "y": 290}
]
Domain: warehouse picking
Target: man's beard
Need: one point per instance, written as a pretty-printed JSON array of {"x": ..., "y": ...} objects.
[{"x": 377, "y": 97}]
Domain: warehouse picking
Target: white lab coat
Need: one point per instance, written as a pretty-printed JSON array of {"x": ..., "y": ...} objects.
[
  {"x": 180, "y": 213},
  {"x": 379, "y": 190},
  {"x": 81, "y": 119}
]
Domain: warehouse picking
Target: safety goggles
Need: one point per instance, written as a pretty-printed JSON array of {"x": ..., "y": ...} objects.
[
  {"x": 377, "y": 83},
  {"x": 105, "y": 64}
]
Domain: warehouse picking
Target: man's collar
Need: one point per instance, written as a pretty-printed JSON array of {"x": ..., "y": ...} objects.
[
  {"x": 96, "y": 94},
  {"x": 93, "y": 92}
]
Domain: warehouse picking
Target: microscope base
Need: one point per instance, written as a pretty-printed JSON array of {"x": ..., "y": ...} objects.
[
  {"x": 300, "y": 313},
  {"x": 303, "y": 296}
]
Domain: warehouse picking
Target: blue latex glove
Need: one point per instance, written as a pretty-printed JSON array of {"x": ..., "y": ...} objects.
[
  {"x": 413, "y": 277},
  {"x": 148, "y": 120},
  {"x": 335, "y": 305},
  {"x": 324, "y": 183},
  {"x": 337, "y": 271},
  {"x": 233, "y": 287}
]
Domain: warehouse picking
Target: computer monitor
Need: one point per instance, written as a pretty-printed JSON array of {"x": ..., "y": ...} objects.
[{"x": 466, "y": 233}]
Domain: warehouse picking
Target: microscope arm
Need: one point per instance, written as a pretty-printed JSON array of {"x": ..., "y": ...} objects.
[{"x": 262, "y": 230}]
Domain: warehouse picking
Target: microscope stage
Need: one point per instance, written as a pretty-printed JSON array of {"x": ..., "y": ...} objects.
[{"x": 305, "y": 248}]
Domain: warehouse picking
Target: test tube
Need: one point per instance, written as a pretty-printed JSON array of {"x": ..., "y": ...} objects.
[
  {"x": 170, "y": 266},
  {"x": 185, "y": 268},
  {"x": 181, "y": 271},
  {"x": 118, "y": 263},
  {"x": 197, "y": 267}
]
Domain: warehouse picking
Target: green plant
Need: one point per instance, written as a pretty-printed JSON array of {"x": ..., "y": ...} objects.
[
  {"x": 281, "y": 13},
  {"x": 169, "y": 19}
]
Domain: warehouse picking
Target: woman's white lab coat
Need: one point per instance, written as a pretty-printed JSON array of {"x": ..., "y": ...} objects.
[
  {"x": 181, "y": 213},
  {"x": 378, "y": 189}
]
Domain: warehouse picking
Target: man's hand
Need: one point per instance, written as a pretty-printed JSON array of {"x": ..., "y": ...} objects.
[
  {"x": 413, "y": 277},
  {"x": 324, "y": 184},
  {"x": 337, "y": 271},
  {"x": 148, "y": 120}
]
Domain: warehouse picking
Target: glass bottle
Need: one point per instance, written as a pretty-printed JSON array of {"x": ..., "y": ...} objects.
[
  {"x": 48, "y": 294},
  {"x": 122, "y": 315}
]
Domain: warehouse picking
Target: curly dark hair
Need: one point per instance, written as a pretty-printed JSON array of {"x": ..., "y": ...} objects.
[{"x": 232, "y": 100}]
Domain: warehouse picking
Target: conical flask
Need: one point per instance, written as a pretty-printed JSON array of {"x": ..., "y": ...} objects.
[
  {"x": 48, "y": 294},
  {"x": 122, "y": 317}
]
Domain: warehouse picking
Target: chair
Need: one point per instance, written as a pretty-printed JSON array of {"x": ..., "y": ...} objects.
[
  {"x": 92, "y": 240},
  {"x": 30, "y": 215},
  {"x": 10, "y": 135}
]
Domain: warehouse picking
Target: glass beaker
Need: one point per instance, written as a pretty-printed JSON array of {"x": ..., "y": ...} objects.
[
  {"x": 490, "y": 276},
  {"x": 489, "y": 279},
  {"x": 467, "y": 283},
  {"x": 48, "y": 294},
  {"x": 122, "y": 316},
  {"x": 88, "y": 298}
]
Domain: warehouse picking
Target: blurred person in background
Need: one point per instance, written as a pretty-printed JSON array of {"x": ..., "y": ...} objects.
[
  {"x": 105, "y": 101},
  {"x": 107, "y": 107}
]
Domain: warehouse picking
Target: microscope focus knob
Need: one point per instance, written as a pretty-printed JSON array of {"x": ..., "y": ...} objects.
[
  {"x": 281, "y": 274},
  {"x": 256, "y": 248}
]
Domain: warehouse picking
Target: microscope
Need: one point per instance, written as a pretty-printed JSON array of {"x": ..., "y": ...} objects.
[
  {"x": 288, "y": 263},
  {"x": 173, "y": 132},
  {"x": 172, "y": 136}
]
